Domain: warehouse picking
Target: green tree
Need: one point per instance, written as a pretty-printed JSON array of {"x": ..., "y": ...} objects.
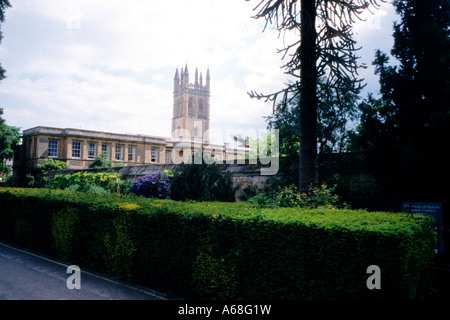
[
  {"x": 404, "y": 135},
  {"x": 35, "y": 177},
  {"x": 325, "y": 48},
  {"x": 9, "y": 136},
  {"x": 333, "y": 132},
  {"x": 9, "y": 139}
]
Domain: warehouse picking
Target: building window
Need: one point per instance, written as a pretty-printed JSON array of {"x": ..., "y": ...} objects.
[
  {"x": 105, "y": 150},
  {"x": 168, "y": 160},
  {"x": 132, "y": 154},
  {"x": 31, "y": 148},
  {"x": 91, "y": 150},
  {"x": 76, "y": 149},
  {"x": 52, "y": 149},
  {"x": 154, "y": 155},
  {"x": 119, "y": 153}
]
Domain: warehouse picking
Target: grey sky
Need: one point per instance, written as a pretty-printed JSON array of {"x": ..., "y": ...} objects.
[{"x": 103, "y": 65}]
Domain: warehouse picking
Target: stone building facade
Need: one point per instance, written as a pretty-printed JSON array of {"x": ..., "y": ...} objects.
[{"x": 79, "y": 148}]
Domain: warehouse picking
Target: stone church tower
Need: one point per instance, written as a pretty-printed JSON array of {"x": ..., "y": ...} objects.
[{"x": 191, "y": 106}]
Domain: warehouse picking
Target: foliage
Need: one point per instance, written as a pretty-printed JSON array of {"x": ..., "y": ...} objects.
[
  {"x": 333, "y": 117},
  {"x": 101, "y": 161},
  {"x": 110, "y": 182},
  {"x": 213, "y": 250},
  {"x": 6, "y": 180},
  {"x": 155, "y": 185},
  {"x": 404, "y": 134},
  {"x": 201, "y": 182},
  {"x": 73, "y": 187},
  {"x": 51, "y": 164},
  {"x": 290, "y": 197},
  {"x": 333, "y": 132},
  {"x": 35, "y": 173},
  {"x": 91, "y": 189},
  {"x": 168, "y": 173},
  {"x": 9, "y": 139},
  {"x": 98, "y": 190}
]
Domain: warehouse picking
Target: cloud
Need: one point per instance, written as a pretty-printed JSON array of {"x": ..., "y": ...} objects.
[
  {"x": 374, "y": 33},
  {"x": 108, "y": 66}
]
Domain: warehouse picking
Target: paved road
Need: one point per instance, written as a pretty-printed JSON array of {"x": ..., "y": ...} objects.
[{"x": 25, "y": 275}]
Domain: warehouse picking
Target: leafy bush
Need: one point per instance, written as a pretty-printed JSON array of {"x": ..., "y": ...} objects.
[
  {"x": 101, "y": 161},
  {"x": 322, "y": 196},
  {"x": 52, "y": 164},
  {"x": 168, "y": 173},
  {"x": 290, "y": 197},
  {"x": 83, "y": 181},
  {"x": 98, "y": 190},
  {"x": 73, "y": 187},
  {"x": 202, "y": 182},
  {"x": 152, "y": 186},
  {"x": 35, "y": 173}
]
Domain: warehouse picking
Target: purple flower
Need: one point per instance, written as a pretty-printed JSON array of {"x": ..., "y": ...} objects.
[{"x": 152, "y": 186}]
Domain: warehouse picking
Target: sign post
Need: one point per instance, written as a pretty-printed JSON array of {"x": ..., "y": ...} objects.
[{"x": 433, "y": 209}]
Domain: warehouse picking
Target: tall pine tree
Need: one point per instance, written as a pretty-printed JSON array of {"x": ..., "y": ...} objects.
[
  {"x": 405, "y": 135},
  {"x": 324, "y": 49}
]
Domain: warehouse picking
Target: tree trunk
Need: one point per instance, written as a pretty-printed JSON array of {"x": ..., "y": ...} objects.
[{"x": 308, "y": 176}]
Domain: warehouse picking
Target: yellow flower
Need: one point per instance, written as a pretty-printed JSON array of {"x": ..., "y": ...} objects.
[{"x": 128, "y": 206}]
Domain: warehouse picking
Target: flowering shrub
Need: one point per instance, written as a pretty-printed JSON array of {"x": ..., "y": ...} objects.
[
  {"x": 85, "y": 182},
  {"x": 152, "y": 186}
]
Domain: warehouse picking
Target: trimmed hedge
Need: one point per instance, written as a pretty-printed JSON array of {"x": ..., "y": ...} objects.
[{"x": 213, "y": 250}]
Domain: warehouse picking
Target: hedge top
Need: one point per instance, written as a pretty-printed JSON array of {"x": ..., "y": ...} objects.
[{"x": 387, "y": 223}]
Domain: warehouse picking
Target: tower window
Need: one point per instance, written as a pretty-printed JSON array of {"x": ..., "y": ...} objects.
[
  {"x": 180, "y": 109},
  {"x": 200, "y": 108},
  {"x": 191, "y": 106}
]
